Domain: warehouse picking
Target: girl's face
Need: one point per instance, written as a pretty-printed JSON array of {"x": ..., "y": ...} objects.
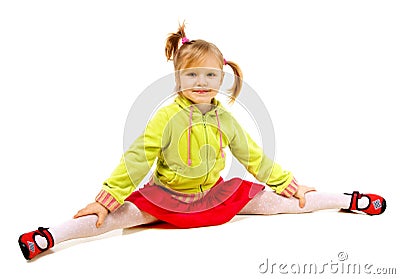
[{"x": 200, "y": 84}]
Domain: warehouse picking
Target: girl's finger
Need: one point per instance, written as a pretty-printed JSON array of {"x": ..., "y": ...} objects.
[
  {"x": 78, "y": 214},
  {"x": 100, "y": 219},
  {"x": 302, "y": 201},
  {"x": 81, "y": 213},
  {"x": 311, "y": 189}
]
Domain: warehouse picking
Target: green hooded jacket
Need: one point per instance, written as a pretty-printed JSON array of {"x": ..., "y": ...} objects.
[{"x": 189, "y": 148}]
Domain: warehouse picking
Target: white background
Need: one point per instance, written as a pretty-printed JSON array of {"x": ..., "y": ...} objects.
[{"x": 328, "y": 72}]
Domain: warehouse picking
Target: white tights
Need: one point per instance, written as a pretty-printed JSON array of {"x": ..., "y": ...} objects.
[
  {"x": 268, "y": 203},
  {"x": 128, "y": 215}
]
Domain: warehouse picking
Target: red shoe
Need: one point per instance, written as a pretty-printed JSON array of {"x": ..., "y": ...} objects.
[
  {"x": 376, "y": 206},
  {"x": 28, "y": 245}
]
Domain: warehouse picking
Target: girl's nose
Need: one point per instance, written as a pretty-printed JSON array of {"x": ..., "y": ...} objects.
[{"x": 201, "y": 80}]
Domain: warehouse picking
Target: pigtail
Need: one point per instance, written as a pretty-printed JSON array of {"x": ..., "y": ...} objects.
[
  {"x": 172, "y": 43},
  {"x": 238, "y": 81}
]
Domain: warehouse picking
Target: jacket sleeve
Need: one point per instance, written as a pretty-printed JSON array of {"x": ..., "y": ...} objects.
[
  {"x": 135, "y": 163},
  {"x": 259, "y": 165}
]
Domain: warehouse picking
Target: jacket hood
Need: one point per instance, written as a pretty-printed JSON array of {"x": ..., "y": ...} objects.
[{"x": 186, "y": 104}]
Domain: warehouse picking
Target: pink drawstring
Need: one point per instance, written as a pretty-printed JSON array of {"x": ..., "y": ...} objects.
[
  {"x": 189, "y": 162},
  {"x": 220, "y": 135}
]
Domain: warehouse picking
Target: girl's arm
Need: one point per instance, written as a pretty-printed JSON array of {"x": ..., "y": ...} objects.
[
  {"x": 135, "y": 163},
  {"x": 259, "y": 165}
]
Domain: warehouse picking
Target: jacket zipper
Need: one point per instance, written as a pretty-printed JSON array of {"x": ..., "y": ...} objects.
[{"x": 206, "y": 136}]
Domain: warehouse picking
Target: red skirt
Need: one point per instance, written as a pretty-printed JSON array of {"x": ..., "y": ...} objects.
[{"x": 219, "y": 205}]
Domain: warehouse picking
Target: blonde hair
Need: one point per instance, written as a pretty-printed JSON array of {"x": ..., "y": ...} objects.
[{"x": 194, "y": 52}]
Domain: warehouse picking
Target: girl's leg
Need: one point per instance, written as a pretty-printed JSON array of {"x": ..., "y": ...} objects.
[
  {"x": 267, "y": 202},
  {"x": 128, "y": 215}
]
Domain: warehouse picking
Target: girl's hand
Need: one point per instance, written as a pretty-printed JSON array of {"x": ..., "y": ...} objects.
[
  {"x": 300, "y": 194},
  {"x": 94, "y": 208}
]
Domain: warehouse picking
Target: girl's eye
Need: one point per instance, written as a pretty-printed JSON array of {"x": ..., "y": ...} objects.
[
  {"x": 191, "y": 74},
  {"x": 211, "y": 74}
]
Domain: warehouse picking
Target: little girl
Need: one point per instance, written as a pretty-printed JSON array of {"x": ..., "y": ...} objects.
[{"x": 187, "y": 139}]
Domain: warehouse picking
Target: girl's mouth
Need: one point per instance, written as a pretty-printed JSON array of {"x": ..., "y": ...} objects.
[{"x": 201, "y": 91}]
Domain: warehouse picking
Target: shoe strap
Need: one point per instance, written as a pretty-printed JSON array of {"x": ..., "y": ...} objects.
[{"x": 353, "y": 201}]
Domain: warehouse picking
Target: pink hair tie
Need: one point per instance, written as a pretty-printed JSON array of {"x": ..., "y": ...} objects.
[
  {"x": 225, "y": 62},
  {"x": 185, "y": 40}
]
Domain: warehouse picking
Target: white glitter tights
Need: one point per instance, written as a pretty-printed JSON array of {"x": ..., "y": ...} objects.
[
  {"x": 128, "y": 215},
  {"x": 268, "y": 203}
]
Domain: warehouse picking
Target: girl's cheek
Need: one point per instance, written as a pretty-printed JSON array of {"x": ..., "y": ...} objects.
[{"x": 215, "y": 84}]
